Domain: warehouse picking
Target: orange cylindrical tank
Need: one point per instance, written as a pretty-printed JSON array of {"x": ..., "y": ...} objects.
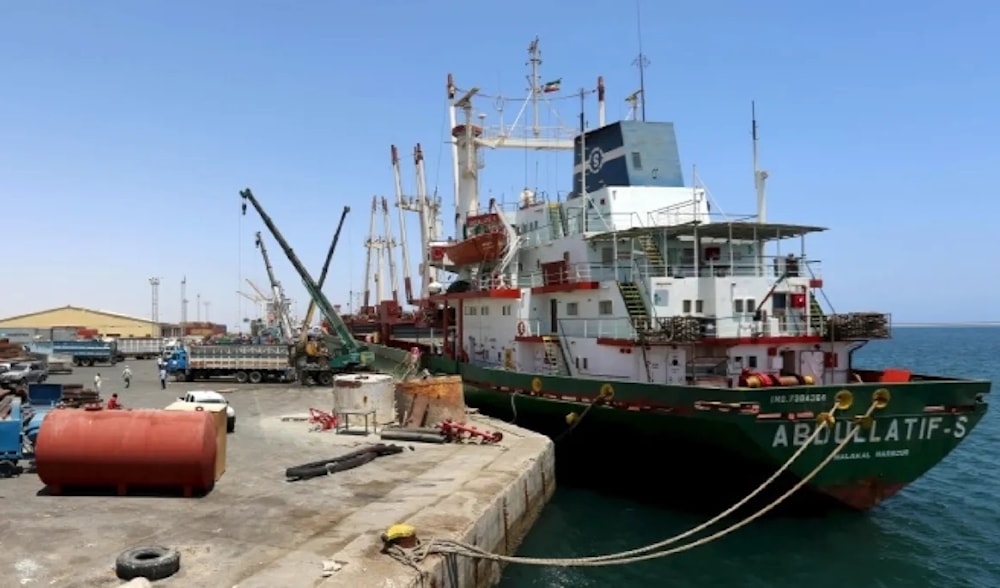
[{"x": 125, "y": 449}]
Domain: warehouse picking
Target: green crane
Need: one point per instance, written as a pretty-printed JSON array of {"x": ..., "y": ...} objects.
[{"x": 343, "y": 352}]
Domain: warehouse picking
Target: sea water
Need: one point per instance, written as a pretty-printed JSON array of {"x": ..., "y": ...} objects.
[{"x": 941, "y": 532}]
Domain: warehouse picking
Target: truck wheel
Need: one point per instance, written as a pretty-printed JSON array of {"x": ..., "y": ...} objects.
[
  {"x": 179, "y": 377},
  {"x": 325, "y": 379},
  {"x": 256, "y": 378},
  {"x": 241, "y": 377}
]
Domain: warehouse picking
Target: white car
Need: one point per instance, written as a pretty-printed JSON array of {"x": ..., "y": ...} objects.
[{"x": 212, "y": 397}]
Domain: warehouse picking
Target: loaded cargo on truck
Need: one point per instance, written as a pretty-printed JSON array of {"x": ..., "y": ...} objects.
[
  {"x": 86, "y": 352},
  {"x": 140, "y": 347},
  {"x": 245, "y": 363}
]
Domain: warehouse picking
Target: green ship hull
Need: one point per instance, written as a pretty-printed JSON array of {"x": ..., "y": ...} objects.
[{"x": 702, "y": 445}]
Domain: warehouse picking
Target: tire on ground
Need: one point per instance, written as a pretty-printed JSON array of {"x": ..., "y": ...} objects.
[{"x": 153, "y": 562}]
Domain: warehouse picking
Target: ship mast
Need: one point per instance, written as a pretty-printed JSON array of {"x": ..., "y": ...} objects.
[
  {"x": 639, "y": 98},
  {"x": 759, "y": 175},
  {"x": 401, "y": 208}
]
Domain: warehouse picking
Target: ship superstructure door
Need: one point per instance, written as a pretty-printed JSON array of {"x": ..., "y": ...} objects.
[
  {"x": 811, "y": 364},
  {"x": 676, "y": 372}
]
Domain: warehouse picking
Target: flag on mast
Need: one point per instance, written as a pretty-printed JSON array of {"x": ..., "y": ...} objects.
[{"x": 553, "y": 86}]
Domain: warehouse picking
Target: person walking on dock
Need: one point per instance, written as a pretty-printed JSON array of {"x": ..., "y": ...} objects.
[
  {"x": 127, "y": 377},
  {"x": 163, "y": 378},
  {"x": 97, "y": 383}
]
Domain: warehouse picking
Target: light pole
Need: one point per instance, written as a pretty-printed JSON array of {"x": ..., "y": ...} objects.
[{"x": 154, "y": 283}]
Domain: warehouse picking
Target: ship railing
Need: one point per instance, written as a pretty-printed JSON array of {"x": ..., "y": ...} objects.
[
  {"x": 574, "y": 273},
  {"x": 609, "y": 328},
  {"x": 769, "y": 266}
]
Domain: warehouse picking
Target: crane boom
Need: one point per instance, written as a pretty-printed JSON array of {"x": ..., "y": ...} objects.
[
  {"x": 355, "y": 352},
  {"x": 278, "y": 302},
  {"x": 390, "y": 244},
  {"x": 401, "y": 209},
  {"x": 303, "y": 335}
]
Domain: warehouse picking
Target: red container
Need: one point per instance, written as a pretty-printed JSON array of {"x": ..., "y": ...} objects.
[{"x": 126, "y": 449}]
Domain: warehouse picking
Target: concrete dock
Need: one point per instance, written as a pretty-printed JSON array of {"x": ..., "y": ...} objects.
[{"x": 255, "y": 529}]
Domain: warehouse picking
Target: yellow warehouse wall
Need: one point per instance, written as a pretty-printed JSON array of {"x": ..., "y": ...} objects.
[{"x": 105, "y": 324}]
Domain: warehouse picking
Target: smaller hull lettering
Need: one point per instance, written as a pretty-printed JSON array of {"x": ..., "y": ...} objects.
[
  {"x": 892, "y": 430},
  {"x": 797, "y": 398},
  {"x": 881, "y": 454}
]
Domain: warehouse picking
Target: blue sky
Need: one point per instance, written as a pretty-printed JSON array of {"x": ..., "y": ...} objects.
[{"x": 128, "y": 128}]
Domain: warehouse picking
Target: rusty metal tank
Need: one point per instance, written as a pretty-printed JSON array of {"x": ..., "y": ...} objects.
[
  {"x": 127, "y": 449},
  {"x": 366, "y": 392},
  {"x": 429, "y": 401}
]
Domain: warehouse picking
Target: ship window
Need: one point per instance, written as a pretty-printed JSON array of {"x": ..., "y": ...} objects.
[
  {"x": 738, "y": 306},
  {"x": 470, "y": 310},
  {"x": 604, "y": 307},
  {"x": 584, "y": 363},
  {"x": 607, "y": 255},
  {"x": 505, "y": 310},
  {"x": 751, "y": 361},
  {"x": 576, "y": 360},
  {"x": 751, "y": 305},
  {"x": 484, "y": 310},
  {"x": 699, "y": 306},
  {"x": 686, "y": 306},
  {"x": 572, "y": 308},
  {"x": 636, "y": 160}
]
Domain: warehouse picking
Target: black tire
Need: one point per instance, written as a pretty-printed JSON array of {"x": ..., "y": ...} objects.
[
  {"x": 256, "y": 377},
  {"x": 231, "y": 425},
  {"x": 241, "y": 377},
  {"x": 152, "y": 562},
  {"x": 179, "y": 377},
  {"x": 9, "y": 469},
  {"x": 325, "y": 378}
]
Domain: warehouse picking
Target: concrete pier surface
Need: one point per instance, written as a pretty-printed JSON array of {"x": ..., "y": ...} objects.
[{"x": 257, "y": 530}]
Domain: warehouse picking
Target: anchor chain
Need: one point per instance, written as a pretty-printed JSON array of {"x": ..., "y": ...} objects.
[{"x": 413, "y": 555}]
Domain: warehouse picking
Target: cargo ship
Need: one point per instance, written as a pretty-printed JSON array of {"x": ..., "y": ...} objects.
[{"x": 665, "y": 346}]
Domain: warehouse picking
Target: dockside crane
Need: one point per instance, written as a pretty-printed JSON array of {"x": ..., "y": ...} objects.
[
  {"x": 279, "y": 302},
  {"x": 304, "y": 333},
  {"x": 373, "y": 242},
  {"x": 344, "y": 352},
  {"x": 390, "y": 244},
  {"x": 400, "y": 206}
]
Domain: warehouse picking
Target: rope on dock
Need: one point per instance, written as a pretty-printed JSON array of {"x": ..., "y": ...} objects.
[{"x": 413, "y": 555}]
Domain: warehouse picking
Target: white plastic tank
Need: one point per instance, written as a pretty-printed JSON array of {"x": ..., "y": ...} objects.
[{"x": 366, "y": 392}]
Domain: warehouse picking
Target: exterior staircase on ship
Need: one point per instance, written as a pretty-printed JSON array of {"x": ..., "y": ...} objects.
[
  {"x": 657, "y": 266},
  {"x": 817, "y": 316},
  {"x": 555, "y": 359},
  {"x": 557, "y": 221},
  {"x": 635, "y": 306}
]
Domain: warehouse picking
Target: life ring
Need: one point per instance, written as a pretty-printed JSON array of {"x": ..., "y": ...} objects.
[
  {"x": 521, "y": 328},
  {"x": 536, "y": 384},
  {"x": 607, "y": 392}
]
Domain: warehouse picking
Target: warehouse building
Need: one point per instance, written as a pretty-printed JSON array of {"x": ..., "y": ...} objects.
[{"x": 106, "y": 324}]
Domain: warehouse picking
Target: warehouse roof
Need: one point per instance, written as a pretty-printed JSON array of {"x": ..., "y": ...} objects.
[{"x": 71, "y": 307}]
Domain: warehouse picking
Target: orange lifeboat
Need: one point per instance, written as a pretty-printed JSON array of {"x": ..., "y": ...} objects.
[{"x": 486, "y": 239}]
